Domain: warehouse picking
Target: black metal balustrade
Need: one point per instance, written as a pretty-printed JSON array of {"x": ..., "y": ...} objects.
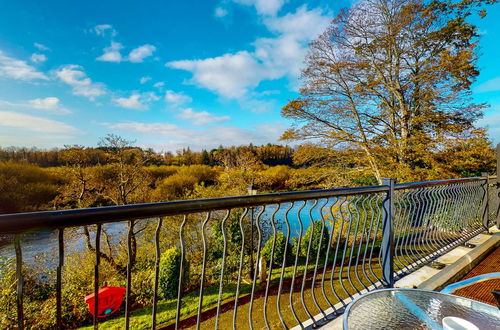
[{"x": 356, "y": 239}]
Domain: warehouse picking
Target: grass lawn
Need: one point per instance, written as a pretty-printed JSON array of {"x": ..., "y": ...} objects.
[{"x": 166, "y": 312}]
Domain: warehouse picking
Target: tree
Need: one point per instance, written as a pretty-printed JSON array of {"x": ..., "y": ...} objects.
[
  {"x": 170, "y": 269},
  {"x": 123, "y": 180},
  {"x": 280, "y": 246},
  {"x": 127, "y": 163},
  {"x": 470, "y": 156},
  {"x": 78, "y": 190},
  {"x": 392, "y": 78},
  {"x": 318, "y": 235}
]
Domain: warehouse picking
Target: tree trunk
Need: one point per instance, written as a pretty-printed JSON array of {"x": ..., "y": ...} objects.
[{"x": 373, "y": 165}]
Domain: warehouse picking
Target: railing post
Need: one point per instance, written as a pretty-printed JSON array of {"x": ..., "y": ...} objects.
[
  {"x": 486, "y": 199},
  {"x": 388, "y": 235}
]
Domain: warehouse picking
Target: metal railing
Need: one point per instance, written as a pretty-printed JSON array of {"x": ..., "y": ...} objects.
[{"x": 277, "y": 260}]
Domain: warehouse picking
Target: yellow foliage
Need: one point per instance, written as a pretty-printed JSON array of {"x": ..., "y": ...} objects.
[{"x": 25, "y": 187}]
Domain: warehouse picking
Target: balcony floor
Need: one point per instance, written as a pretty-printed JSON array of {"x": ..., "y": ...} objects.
[{"x": 482, "y": 291}]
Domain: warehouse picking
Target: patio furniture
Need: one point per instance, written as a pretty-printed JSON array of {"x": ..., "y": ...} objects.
[
  {"x": 484, "y": 284},
  {"x": 416, "y": 309},
  {"x": 458, "y": 285},
  {"x": 110, "y": 299}
]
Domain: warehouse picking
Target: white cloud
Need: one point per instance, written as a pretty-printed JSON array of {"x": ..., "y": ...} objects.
[
  {"x": 138, "y": 54},
  {"x": 112, "y": 53},
  {"x": 144, "y": 80},
  {"x": 491, "y": 85},
  {"x": 131, "y": 102},
  {"x": 37, "y": 58},
  {"x": 176, "y": 99},
  {"x": 228, "y": 75},
  {"x": 159, "y": 84},
  {"x": 152, "y": 129},
  {"x": 17, "y": 69},
  {"x": 264, "y": 7},
  {"x": 233, "y": 75},
  {"x": 41, "y": 47},
  {"x": 150, "y": 97},
  {"x": 137, "y": 101},
  {"x": 103, "y": 29},
  {"x": 303, "y": 24},
  {"x": 172, "y": 137},
  {"x": 200, "y": 118},
  {"x": 220, "y": 12},
  {"x": 284, "y": 55},
  {"x": 34, "y": 124},
  {"x": 75, "y": 76},
  {"x": 48, "y": 104}
]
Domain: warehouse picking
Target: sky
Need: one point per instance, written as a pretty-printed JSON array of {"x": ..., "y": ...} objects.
[{"x": 170, "y": 74}]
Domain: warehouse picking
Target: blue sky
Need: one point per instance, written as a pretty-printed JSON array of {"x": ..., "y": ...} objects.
[{"x": 169, "y": 74}]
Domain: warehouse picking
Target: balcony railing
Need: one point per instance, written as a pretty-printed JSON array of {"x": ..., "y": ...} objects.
[{"x": 345, "y": 241}]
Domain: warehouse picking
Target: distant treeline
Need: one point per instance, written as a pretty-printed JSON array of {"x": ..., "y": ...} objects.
[
  {"x": 118, "y": 173},
  {"x": 270, "y": 154}
]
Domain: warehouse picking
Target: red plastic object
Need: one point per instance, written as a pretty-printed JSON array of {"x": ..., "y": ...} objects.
[{"x": 110, "y": 299}]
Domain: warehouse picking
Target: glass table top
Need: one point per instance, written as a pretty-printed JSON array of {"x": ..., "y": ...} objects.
[{"x": 416, "y": 309}]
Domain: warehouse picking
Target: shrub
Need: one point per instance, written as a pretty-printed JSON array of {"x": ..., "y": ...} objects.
[
  {"x": 315, "y": 232},
  {"x": 8, "y": 293},
  {"x": 25, "y": 187},
  {"x": 233, "y": 245},
  {"x": 170, "y": 263},
  {"x": 175, "y": 186},
  {"x": 141, "y": 285},
  {"x": 274, "y": 178},
  {"x": 279, "y": 249},
  {"x": 158, "y": 173},
  {"x": 202, "y": 173}
]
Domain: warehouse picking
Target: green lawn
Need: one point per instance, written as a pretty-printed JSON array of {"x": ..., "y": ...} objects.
[{"x": 166, "y": 312}]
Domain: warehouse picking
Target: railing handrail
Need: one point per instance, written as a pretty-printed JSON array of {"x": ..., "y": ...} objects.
[
  {"x": 423, "y": 184},
  {"x": 20, "y": 222}
]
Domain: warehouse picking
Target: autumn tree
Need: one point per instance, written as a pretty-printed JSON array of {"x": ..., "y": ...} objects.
[
  {"x": 79, "y": 190},
  {"x": 122, "y": 180},
  {"x": 392, "y": 78},
  {"x": 180, "y": 185},
  {"x": 125, "y": 180},
  {"x": 470, "y": 156}
]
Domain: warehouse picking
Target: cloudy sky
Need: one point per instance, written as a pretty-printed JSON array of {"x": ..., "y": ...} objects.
[{"x": 169, "y": 74}]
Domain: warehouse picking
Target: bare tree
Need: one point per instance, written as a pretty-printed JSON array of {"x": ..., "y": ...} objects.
[
  {"x": 121, "y": 182},
  {"x": 391, "y": 77}
]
